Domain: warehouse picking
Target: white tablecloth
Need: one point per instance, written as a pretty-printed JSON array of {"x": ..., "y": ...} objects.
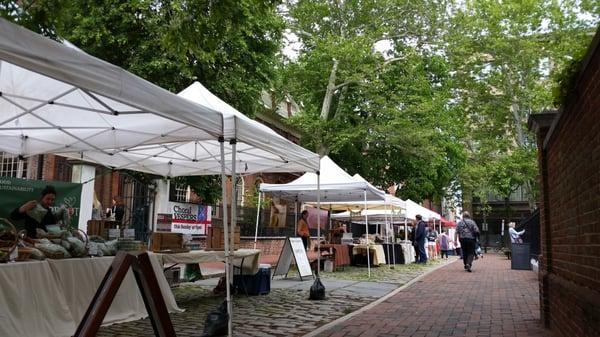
[
  {"x": 49, "y": 298},
  {"x": 32, "y": 302},
  {"x": 378, "y": 257},
  {"x": 251, "y": 258},
  {"x": 409, "y": 252}
]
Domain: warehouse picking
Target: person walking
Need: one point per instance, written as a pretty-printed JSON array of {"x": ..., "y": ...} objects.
[
  {"x": 420, "y": 239},
  {"x": 466, "y": 232},
  {"x": 444, "y": 241}
]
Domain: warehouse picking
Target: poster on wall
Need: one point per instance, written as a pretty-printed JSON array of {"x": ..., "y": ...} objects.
[
  {"x": 278, "y": 215},
  {"x": 191, "y": 219},
  {"x": 15, "y": 192}
]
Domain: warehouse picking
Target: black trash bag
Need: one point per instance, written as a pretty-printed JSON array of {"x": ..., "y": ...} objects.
[
  {"x": 317, "y": 290},
  {"x": 216, "y": 323}
]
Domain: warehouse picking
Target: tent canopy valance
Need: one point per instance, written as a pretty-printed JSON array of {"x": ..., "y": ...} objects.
[
  {"x": 375, "y": 216},
  {"x": 336, "y": 185},
  {"x": 58, "y": 99},
  {"x": 390, "y": 202}
]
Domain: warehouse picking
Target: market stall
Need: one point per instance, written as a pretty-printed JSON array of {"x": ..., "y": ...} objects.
[
  {"x": 332, "y": 184},
  {"x": 58, "y": 99}
]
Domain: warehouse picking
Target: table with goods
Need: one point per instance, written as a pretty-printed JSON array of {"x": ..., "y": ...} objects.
[{"x": 47, "y": 283}]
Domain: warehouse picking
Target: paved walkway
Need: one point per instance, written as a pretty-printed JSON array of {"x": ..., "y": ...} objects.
[{"x": 493, "y": 300}]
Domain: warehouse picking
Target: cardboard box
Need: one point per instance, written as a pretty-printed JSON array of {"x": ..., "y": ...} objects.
[{"x": 215, "y": 238}]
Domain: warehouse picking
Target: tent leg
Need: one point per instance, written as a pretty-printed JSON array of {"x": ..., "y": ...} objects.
[
  {"x": 318, "y": 224},
  {"x": 393, "y": 236},
  {"x": 367, "y": 228},
  {"x": 296, "y": 217},
  {"x": 257, "y": 219},
  {"x": 226, "y": 239}
]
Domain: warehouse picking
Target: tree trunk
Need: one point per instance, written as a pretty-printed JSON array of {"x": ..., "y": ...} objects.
[
  {"x": 329, "y": 92},
  {"x": 521, "y": 141}
]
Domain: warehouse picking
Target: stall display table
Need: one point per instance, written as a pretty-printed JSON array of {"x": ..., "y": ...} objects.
[
  {"x": 245, "y": 259},
  {"x": 341, "y": 254},
  {"x": 49, "y": 298},
  {"x": 376, "y": 249},
  {"x": 408, "y": 250},
  {"x": 393, "y": 253}
]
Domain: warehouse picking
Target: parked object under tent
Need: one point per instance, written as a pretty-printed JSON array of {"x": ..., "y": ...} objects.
[{"x": 58, "y": 99}]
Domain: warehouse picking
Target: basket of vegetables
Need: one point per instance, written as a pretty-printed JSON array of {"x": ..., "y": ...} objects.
[{"x": 8, "y": 239}]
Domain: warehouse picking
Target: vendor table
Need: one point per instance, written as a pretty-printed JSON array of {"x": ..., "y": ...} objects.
[
  {"x": 378, "y": 256},
  {"x": 340, "y": 253},
  {"x": 247, "y": 259},
  {"x": 49, "y": 298}
]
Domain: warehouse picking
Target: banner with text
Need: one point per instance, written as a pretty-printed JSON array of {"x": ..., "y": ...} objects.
[
  {"x": 190, "y": 218},
  {"x": 15, "y": 192}
]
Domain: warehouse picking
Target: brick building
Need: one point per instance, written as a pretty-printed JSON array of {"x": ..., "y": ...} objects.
[{"x": 569, "y": 162}]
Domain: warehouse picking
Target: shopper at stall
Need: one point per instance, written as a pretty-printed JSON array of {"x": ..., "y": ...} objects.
[
  {"x": 444, "y": 241},
  {"x": 420, "y": 239},
  {"x": 117, "y": 210},
  {"x": 432, "y": 235},
  {"x": 303, "y": 230},
  {"x": 466, "y": 233},
  {"x": 37, "y": 213}
]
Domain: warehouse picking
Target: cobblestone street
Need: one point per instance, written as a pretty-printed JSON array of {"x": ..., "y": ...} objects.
[{"x": 285, "y": 311}]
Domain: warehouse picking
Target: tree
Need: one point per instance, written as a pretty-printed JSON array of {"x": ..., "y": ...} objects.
[
  {"x": 230, "y": 46},
  {"x": 502, "y": 54},
  {"x": 381, "y": 113}
]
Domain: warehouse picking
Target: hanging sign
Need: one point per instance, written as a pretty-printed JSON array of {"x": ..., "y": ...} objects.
[
  {"x": 190, "y": 218},
  {"x": 293, "y": 248}
]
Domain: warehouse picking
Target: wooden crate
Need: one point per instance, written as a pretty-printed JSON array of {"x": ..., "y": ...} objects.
[
  {"x": 160, "y": 241},
  {"x": 100, "y": 227},
  {"x": 215, "y": 238}
]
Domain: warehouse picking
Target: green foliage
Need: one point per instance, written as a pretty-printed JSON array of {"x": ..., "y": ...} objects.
[{"x": 207, "y": 188}]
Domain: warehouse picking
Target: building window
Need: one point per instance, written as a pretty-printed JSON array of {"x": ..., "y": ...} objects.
[
  {"x": 63, "y": 170},
  {"x": 12, "y": 166},
  {"x": 180, "y": 193},
  {"x": 240, "y": 191}
]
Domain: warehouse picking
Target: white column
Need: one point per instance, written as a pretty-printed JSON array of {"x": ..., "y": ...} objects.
[
  {"x": 161, "y": 200},
  {"x": 367, "y": 228},
  {"x": 226, "y": 239},
  {"x": 85, "y": 175}
]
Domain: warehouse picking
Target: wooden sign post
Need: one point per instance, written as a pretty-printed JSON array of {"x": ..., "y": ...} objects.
[
  {"x": 293, "y": 249},
  {"x": 148, "y": 285}
]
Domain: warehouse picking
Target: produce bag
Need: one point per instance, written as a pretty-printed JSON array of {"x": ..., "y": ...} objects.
[
  {"x": 216, "y": 322},
  {"x": 317, "y": 291}
]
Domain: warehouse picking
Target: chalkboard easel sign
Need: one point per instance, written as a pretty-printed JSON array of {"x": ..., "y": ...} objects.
[{"x": 293, "y": 248}]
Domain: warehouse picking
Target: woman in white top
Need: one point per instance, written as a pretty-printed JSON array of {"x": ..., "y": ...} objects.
[{"x": 515, "y": 236}]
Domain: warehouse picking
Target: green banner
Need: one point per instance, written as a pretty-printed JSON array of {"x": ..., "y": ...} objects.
[{"x": 15, "y": 192}]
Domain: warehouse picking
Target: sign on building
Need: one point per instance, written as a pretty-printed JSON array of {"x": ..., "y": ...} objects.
[{"x": 190, "y": 219}]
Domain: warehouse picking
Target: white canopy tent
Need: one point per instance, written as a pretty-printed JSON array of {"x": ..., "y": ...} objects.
[
  {"x": 336, "y": 186},
  {"x": 58, "y": 99},
  {"x": 331, "y": 184}
]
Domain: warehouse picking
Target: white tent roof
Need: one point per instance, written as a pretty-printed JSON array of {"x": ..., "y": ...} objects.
[
  {"x": 355, "y": 206},
  {"x": 336, "y": 185},
  {"x": 412, "y": 209},
  {"x": 57, "y": 99}
]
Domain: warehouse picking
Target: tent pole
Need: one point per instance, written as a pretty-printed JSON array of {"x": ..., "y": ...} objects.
[
  {"x": 318, "y": 224},
  {"x": 405, "y": 228},
  {"x": 367, "y": 228},
  {"x": 234, "y": 192},
  {"x": 257, "y": 219},
  {"x": 387, "y": 234},
  {"x": 393, "y": 236},
  {"x": 296, "y": 217},
  {"x": 226, "y": 238}
]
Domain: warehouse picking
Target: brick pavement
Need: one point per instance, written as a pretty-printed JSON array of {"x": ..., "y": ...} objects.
[{"x": 492, "y": 301}]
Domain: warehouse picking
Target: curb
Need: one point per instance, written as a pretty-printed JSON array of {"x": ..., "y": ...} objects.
[{"x": 343, "y": 319}]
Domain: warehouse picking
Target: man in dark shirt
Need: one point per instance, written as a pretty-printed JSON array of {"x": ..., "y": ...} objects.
[
  {"x": 467, "y": 232},
  {"x": 37, "y": 214},
  {"x": 420, "y": 237}
]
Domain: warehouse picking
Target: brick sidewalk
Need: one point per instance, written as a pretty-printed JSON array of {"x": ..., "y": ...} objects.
[{"x": 493, "y": 300}]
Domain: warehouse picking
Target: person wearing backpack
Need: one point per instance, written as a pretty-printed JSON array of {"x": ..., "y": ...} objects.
[{"x": 467, "y": 232}]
